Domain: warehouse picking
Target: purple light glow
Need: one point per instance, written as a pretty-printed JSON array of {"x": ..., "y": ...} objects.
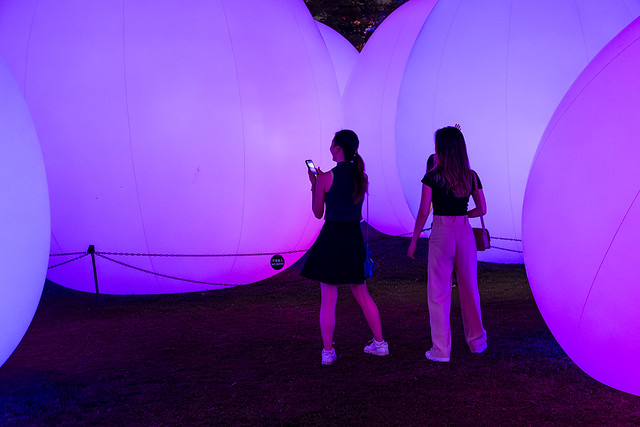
[
  {"x": 581, "y": 217},
  {"x": 24, "y": 216},
  {"x": 175, "y": 129}
]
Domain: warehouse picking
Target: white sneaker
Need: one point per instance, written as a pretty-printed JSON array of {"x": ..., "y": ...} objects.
[
  {"x": 429, "y": 356},
  {"x": 377, "y": 348},
  {"x": 328, "y": 357}
]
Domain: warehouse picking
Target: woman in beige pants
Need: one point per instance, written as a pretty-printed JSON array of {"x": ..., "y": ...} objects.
[{"x": 448, "y": 185}]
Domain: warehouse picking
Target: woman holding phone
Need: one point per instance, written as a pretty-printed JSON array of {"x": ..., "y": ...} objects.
[
  {"x": 448, "y": 184},
  {"x": 337, "y": 257}
]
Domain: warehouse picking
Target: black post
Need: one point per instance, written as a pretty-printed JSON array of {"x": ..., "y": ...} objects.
[{"x": 92, "y": 251}]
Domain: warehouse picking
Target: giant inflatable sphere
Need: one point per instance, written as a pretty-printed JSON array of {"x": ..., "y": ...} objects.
[
  {"x": 178, "y": 128},
  {"x": 24, "y": 216},
  {"x": 581, "y": 217},
  {"x": 343, "y": 53},
  {"x": 499, "y": 69},
  {"x": 370, "y": 101}
]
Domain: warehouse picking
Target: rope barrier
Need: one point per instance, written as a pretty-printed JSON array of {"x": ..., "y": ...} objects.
[
  {"x": 69, "y": 253},
  {"x": 201, "y": 255},
  {"x": 84, "y": 254},
  {"x": 427, "y": 229},
  {"x": 506, "y": 238},
  {"x": 505, "y": 249},
  {"x": 104, "y": 255},
  {"x": 163, "y": 275},
  {"x": 400, "y": 235}
]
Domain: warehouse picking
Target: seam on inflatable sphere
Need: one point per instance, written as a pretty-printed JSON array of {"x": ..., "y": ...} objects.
[{"x": 604, "y": 257}]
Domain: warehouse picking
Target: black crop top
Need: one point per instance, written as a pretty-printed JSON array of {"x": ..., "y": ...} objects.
[
  {"x": 444, "y": 202},
  {"x": 339, "y": 201}
]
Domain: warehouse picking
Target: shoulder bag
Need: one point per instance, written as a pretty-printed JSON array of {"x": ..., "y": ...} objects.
[{"x": 483, "y": 239}]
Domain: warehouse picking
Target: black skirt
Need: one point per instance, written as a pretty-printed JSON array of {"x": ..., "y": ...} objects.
[{"x": 337, "y": 256}]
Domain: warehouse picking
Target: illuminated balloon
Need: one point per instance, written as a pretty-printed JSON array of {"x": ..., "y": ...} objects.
[
  {"x": 581, "y": 217},
  {"x": 175, "y": 128},
  {"x": 370, "y": 101},
  {"x": 24, "y": 216},
  {"x": 499, "y": 69},
  {"x": 343, "y": 53}
]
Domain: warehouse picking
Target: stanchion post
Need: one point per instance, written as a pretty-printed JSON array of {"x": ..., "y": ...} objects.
[{"x": 92, "y": 251}]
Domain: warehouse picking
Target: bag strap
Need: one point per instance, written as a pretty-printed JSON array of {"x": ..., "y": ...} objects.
[
  {"x": 367, "y": 234},
  {"x": 475, "y": 178}
]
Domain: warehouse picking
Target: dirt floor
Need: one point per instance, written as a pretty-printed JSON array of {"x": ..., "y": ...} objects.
[{"x": 251, "y": 356}]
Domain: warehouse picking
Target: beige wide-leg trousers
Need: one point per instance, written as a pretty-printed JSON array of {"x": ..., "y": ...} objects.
[{"x": 452, "y": 244}]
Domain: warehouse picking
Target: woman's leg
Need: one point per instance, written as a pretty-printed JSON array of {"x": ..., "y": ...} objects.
[
  {"x": 466, "y": 261},
  {"x": 439, "y": 269},
  {"x": 369, "y": 309},
  {"x": 328, "y": 299}
]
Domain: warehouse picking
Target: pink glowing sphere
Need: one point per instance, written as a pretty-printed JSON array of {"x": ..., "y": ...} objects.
[
  {"x": 24, "y": 216},
  {"x": 178, "y": 128},
  {"x": 343, "y": 53},
  {"x": 581, "y": 217},
  {"x": 370, "y": 101}
]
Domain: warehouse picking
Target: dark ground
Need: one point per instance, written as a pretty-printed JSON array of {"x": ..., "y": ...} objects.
[{"x": 251, "y": 355}]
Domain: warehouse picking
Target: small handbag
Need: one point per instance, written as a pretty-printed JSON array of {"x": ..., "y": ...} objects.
[
  {"x": 368, "y": 262},
  {"x": 483, "y": 239}
]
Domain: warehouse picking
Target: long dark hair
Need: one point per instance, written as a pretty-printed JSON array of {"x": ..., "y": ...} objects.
[
  {"x": 348, "y": 141},
  {"x": 452, "y": 163}
]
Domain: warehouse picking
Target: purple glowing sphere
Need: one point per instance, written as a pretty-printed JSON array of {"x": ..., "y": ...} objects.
[
  {"x": 178, "y": 128},
  {"x": 343, "y": 53},
  {"x": 581, "y": 217},
  {"x": 24, "y": 216}
]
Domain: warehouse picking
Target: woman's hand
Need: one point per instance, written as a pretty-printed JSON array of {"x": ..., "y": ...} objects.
[
  {"x": 412, "y": 249},
  {"x": 481, "y": 204},
  {"x": 312, "y": 177},
  {"x": 421, "y": 219},
  {"x": 319, "y": 187}
]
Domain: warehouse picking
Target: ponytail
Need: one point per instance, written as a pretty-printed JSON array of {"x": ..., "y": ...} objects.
[
  {"x": 362, "y": 183},
  {"x": 348, "y": 140}
]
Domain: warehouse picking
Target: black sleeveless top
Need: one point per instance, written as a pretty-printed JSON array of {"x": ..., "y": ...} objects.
[
  {"x": 340, "y": 206},
  {"x": 444, "y": 202}
]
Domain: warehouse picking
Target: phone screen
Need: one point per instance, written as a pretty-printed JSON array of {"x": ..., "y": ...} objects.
[{"x": 312, "y": 167}]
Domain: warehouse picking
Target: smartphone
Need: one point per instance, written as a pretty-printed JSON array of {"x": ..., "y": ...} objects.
[{"x": 312, "y": 167}]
